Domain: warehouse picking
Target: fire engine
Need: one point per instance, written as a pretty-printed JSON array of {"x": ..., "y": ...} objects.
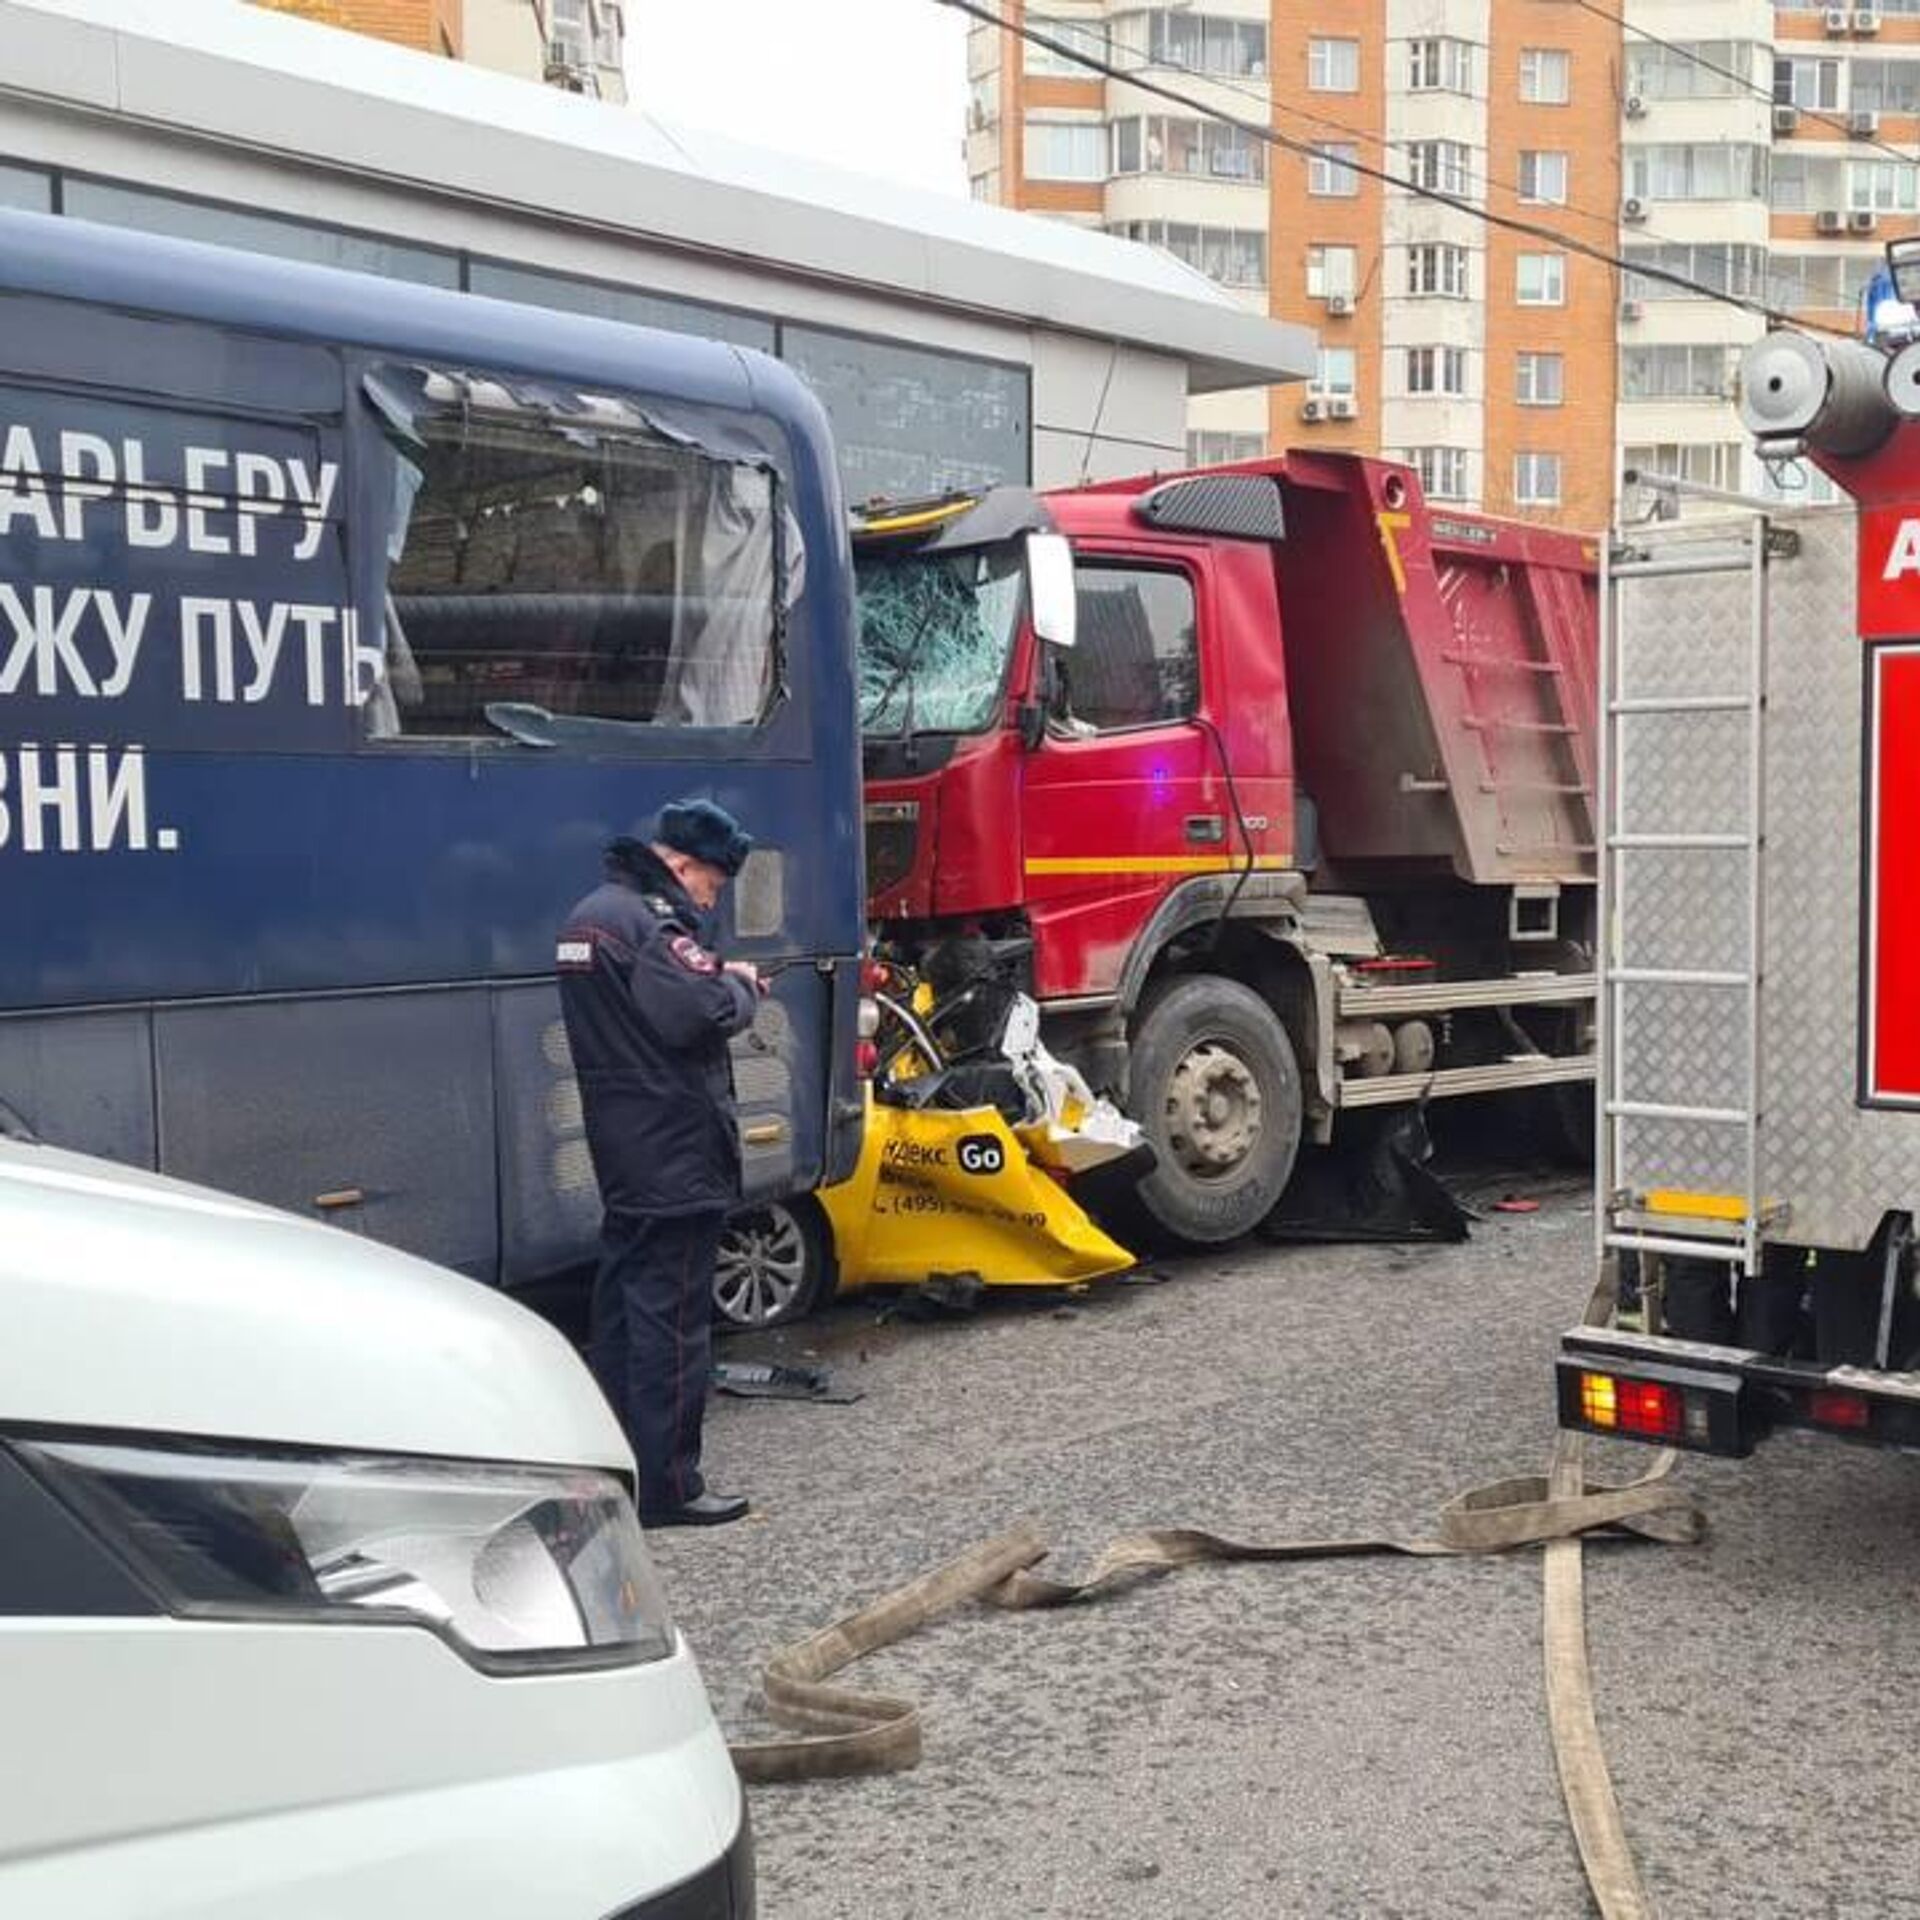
[{"x": 1760, "y": 986}]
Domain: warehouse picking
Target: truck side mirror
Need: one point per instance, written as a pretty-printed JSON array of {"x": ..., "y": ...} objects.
[{"x": 1054, "y": 605}]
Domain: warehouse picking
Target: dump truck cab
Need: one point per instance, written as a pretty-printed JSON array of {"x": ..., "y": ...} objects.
[{"x": 1293, "y": 815}]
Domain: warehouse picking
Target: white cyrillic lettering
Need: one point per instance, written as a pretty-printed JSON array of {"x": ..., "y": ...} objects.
[
  {"x": 202, "y": 500},
  {"x": 366, "y": 666},
  {"x": 38, "y": 795},
  {"x": 116, "y": 790},
  {"x": 123, "y": 636},
  {"x": 262, "y": 488},
  {"x": 263, "y": 642},
  {"x": 218, "y": 616},
  {"x": 88, "y": 471},
  {"x": 152, "y": 518},
  {"x": 22, "y": 490},
  {"x": 313, "y": 623},
  {"x": 45, "y": 637},
  {"x": 316, "y": 496}
]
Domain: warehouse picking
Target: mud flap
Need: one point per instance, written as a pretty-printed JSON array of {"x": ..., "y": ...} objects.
[{"x": 1372, "y": 1184}]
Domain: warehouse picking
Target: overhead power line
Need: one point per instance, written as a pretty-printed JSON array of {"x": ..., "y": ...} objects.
[{"x": 1272, "y": 136}]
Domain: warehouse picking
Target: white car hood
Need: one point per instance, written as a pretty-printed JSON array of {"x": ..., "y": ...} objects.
[{"x": 133, "y": 1302}]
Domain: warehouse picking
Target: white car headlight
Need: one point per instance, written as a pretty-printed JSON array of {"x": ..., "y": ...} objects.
[{"x": 517, "y": 1567}]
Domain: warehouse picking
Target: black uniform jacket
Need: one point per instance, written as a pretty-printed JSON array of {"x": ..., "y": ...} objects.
[{"x": 649, "y": 1011}]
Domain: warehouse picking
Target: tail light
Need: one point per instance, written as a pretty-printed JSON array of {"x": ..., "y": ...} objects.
[
  {"x": 1835, "y": 1407},
  {"x": 866, "y": 1059}
]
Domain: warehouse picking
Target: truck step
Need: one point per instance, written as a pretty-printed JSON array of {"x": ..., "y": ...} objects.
[
  {"x": 1398, "y": 1089},
  {"x": 1447, "y": 996}
]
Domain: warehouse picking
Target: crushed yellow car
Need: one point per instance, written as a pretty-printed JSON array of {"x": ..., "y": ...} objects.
[{"x": 938, "y": 1191}]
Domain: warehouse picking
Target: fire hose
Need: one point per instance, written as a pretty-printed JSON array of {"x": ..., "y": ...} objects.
[{"x": 838, "y": 1730}]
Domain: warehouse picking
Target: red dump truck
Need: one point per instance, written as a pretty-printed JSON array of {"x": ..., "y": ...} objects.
[
  {"x": 1280, "y": 801},
  {"x": 1759, "y": 1165}
]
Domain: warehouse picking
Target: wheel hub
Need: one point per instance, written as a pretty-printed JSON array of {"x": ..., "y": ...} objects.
[{"x": 1213, "y": 1110}]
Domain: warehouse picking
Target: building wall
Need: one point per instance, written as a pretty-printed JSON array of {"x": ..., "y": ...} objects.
[
  {"x": 505, "y": 35},
  {"x": 432, "y": 26}
]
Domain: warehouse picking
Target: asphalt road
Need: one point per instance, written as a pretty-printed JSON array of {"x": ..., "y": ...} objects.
[{"x": 1349, "y": 1738}]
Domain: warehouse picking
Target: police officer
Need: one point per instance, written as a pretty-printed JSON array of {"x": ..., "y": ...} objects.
[{"x": 649, "y": 1009}]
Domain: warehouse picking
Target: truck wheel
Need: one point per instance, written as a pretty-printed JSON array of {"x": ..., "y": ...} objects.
[
  {"x": 1213, "y": 1081},
  {"x": 774, "y": 1266}
]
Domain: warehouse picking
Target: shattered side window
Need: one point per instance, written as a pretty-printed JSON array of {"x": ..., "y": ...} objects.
[
  {"x": 588, "y": 564},
  {"x": 936, "y": 633}
]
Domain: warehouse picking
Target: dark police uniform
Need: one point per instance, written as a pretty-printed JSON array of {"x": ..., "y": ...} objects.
[{"x": 649, "y": 1012}]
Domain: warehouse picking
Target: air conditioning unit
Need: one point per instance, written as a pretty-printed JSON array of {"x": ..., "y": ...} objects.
[
  {"x": 1785, "y": 119},
  {"x": 1864, "y": 124},
  {"x": 1634, "y": 107},
  {"x": 1862, "y": 222},
  {"x": 1830, "y": 220},
  {"x": 1339, "y": 305},
  {"x": 1633, "y": 211},
  {"x": 1866, "y": 20},
  {"x": 1341, "y": 408},
  {"x": 1838, "y": 20},
  {"x": 1633, "y": 309},
  {"x": 1311, "y": 409}
]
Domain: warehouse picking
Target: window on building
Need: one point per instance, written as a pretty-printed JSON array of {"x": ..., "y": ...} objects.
[
  {"x": 1337, "y": 372},
  {"x": 1809, "y": 281},
  {"x": 1188, "y": 147},
  {"x": 983, "y": 101},
  {"x": 1437, "y": 370},
  {"x": 1443, "y": 471},
  {"x": 1811, "y": 85},
  {"x": 1540, "y": 379},
  {"x": 151, "y": 212},
  {"x": 1885, "y": 86},
  {"x": 1540, "y": 279},
  {"x": 985, "y": 187},
  {"x": 1706, "y": 463},
  {"x": 1440, "y": 66},
  {"x": 1441, "y": 166},
  {"x": 1233, "y": 256},
  {"x": 1065, "y": 150},
  {"x": 1720, "y": 269},
  {"x": 1333, "y": 66},
  {"x": 1074, "y": 36},
  {"x": 26, "y": 187},
  {"x": 1715, "y": 171},
  {"x": 1536, "y": 479},
  {"x": 1193, "y": 42},
  {"x": 1330, "y": 271},
  {"x": 1135, "y": 662},
  {"x": 1546, "y": 75},
  {"x": 1210, "y": 447},
  {"x": 1674, "y": 373},
  {"x": 1435, "y": 267},
  {"x": 1330, "y": 171},
  {"x": 498, "y": 280},
  {"x": 1881, "y": 186},
  {"x": 1691, "y": 69},
  {"x": 1543, "y": 179},
  {"x": 1796, "y": 483}
]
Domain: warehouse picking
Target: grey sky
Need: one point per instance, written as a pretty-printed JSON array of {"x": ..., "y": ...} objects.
[{"x": 878, "y": 86}]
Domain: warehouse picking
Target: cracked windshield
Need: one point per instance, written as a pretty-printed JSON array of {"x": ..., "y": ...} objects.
[{"x": 936, "y": 632}]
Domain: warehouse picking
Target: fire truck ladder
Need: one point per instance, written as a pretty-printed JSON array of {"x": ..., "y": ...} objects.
[{"x": 1676, "y": 1224}]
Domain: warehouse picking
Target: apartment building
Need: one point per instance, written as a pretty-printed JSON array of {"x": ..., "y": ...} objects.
[
  {"x": 579, "y": 45},
  {"x": 1462, "y": 157}
]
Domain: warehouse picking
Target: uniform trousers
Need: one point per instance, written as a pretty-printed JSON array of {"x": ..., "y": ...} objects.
[{"x": 652, "y": 1343}]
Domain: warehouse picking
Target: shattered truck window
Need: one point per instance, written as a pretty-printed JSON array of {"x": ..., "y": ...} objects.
[
  {"x": 936, "y": 633},
  {"x": 578, "y": 563}
]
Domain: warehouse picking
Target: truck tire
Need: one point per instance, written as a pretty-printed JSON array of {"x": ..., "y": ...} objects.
[{"x": 1212, "y": 1080}]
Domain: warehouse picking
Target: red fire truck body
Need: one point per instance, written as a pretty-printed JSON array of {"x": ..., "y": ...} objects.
[{"x": 1300, "y": 822}]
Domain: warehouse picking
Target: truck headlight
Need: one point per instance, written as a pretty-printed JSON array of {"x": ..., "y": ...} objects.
[{"x": 517, "y": 1567}]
